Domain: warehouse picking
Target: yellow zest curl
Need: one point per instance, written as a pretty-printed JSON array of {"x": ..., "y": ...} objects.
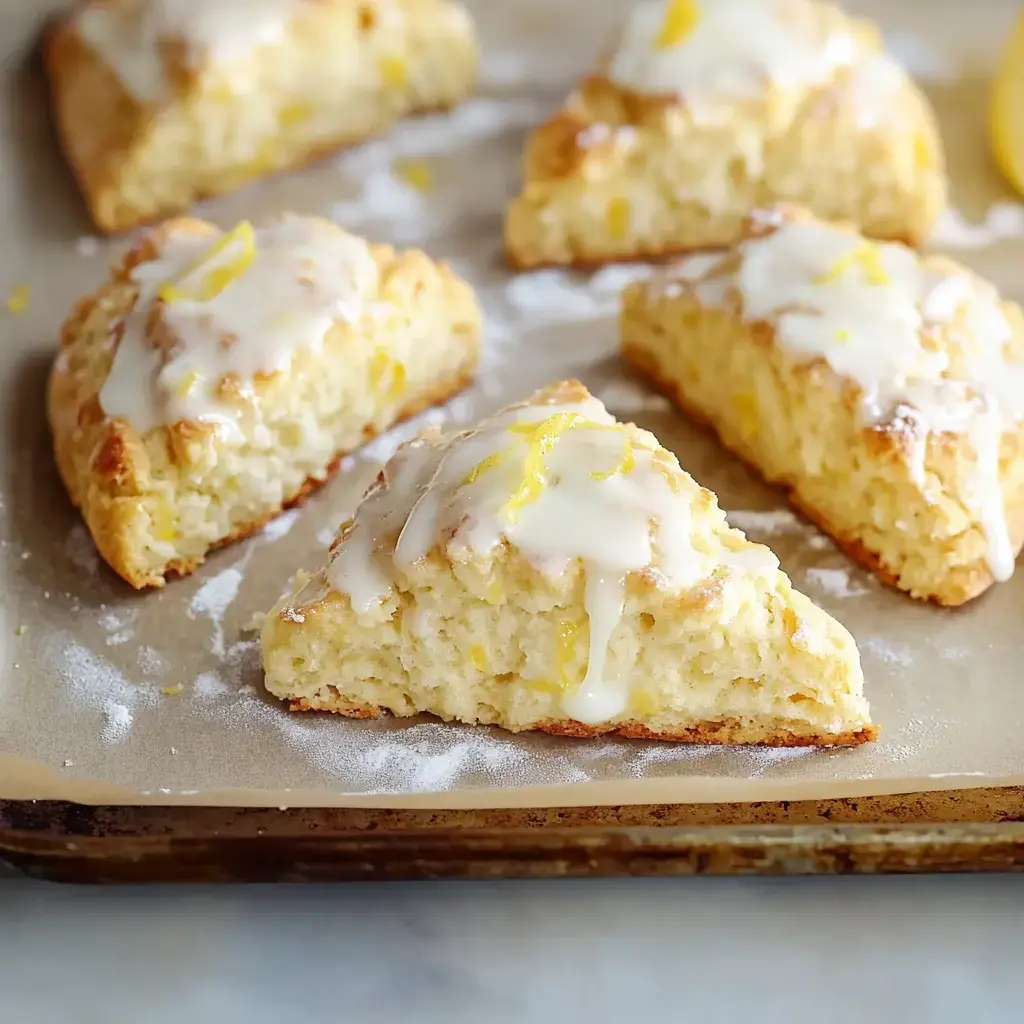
[
  {"x": 681, "y": 18},
  {"x": 483, "y": 465},
  {"x": 217, "y": 278},
  {"x": 625, "y": 465},
  {"x": 867, "y": 256},
  {"x": 541, "y": 438}
]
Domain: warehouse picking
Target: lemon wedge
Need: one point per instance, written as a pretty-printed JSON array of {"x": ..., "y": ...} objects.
[
  {"x": 217, "y": 278},
  {"x": 1006, "y": 111}
]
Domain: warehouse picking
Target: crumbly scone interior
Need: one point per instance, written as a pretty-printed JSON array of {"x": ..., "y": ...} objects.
[
  {"x": 885, "y": 389},
  {"x": 694, "y": 120},
  {"x": 220, "y": 375},
  {"x": 556, "y": 569}
]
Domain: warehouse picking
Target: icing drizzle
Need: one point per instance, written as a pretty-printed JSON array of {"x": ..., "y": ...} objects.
[
  {"x": 214, "y": 306},
  {"x": 559, "y": 479},
  {"x": 731, "y": 49},
  {"x": 928, "y": 344},
  {"x": 127, "y": 34}
]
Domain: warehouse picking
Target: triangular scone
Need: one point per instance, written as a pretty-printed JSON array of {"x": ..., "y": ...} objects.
[
  {"x": 218, "y": 378},
  {"x": 162, "y": 102},
  {"x": 883, "y": 391},
  {"x": 710, "y": 109},
  {"x": 554, "y": 569}
]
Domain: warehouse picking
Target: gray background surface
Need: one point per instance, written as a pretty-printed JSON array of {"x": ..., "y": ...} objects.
[{"x": 828, "y": 951}]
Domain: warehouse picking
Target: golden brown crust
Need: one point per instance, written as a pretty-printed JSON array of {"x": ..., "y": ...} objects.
[
  {"x": 729, "y": 731},
  {"x": 957, "y": 589}
]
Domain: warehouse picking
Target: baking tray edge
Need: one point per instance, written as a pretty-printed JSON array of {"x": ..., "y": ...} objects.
[{"x": 977, "y": 830}]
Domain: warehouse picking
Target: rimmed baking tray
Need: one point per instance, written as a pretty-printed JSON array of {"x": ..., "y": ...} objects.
[{"x": 952, "y": 831}]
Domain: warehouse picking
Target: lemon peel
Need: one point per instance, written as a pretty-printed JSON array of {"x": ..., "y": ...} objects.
[
  {"x": 18, "y": 300},
  {"x": 865, "y": 255},
  {"x": 681, "y": 18},
  {"x": 217, "y": 278},
  {"x": 540, "y": 438},
  {"x": 416, "y": 174},
  {"x": 623, "y": 467},
  {"x": 483, "y": 466}
]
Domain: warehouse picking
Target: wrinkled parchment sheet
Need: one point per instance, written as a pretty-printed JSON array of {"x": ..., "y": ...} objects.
[{"x": 109, "y": 695}]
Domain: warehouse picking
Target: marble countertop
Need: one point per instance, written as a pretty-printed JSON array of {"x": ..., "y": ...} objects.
[{"x": 842, "y": 950}]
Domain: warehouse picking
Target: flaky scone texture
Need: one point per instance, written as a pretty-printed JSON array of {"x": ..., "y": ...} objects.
[
  {"x": 801, "y": 426},
  {"x": 157, "y": 502},
  {"x": 618, "y": 175},
  {"x": 739, "y": 658},
  {"x": 342, "y": 71}
]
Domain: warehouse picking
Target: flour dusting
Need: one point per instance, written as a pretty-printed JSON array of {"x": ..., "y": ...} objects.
[
  {"x": 1003, "y": 220},
  {"x": 280, "y": 526},
  {"x": 767, "y": 523},
  {"x": 888, "y": 651},
  {"x": 117, "y": 722},
  {"x": 836, "y": 582},
  {"x": 81, "y": 550}
]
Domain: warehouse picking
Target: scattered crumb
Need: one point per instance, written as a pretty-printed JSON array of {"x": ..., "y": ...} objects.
[
  {"x": 171, "y": 691},
  {"x": 174, "y": 750},
  {"x": 17, "y": 302},
  {"x": 21, "y": 630},
  {"x": 68, "y": 763}
]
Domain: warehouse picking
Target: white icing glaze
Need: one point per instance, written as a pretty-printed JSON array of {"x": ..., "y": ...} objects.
[
  {"x": 304, "y": 275},
  {"x": 872, "y": 312},
  {"x": 559, "y": 482},
  {"x": 127, "y": 34},
  {"x": 734, "y": 50}
]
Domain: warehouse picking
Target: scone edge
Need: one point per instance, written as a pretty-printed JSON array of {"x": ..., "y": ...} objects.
[{"x": 954, "y": 590}]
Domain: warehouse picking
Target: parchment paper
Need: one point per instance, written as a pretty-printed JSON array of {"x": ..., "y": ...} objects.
[{"x": 109, "y": 695}]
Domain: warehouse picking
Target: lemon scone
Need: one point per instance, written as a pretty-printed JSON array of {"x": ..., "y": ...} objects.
[
  {"x": 162, "y": 102},
  {"x": 882, "y": 390},
  {"x": 554, "y": 569},
  {"x": 709, "y": 109},
  {"x": 218, "y": 378}
]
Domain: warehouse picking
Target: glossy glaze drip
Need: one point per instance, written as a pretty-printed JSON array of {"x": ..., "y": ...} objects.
[
  {"x": 214, "y": 307},
  {"x": 559, "y": 482},
  {"x": 926, "y": 345}
]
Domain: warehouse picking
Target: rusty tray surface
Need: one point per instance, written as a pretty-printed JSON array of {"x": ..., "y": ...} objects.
[{"x": 956, "y": 830}]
